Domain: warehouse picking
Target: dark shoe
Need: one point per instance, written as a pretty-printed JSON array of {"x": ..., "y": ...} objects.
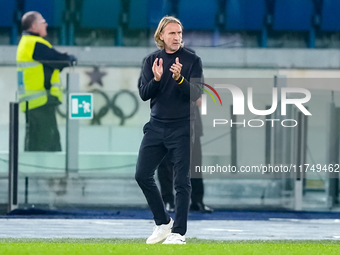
[
  {"x": 170, "y": 207},
  {"x": 200, "y": 207}
]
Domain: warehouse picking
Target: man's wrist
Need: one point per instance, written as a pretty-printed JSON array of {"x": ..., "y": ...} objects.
[{"x": 180, "y": 79}]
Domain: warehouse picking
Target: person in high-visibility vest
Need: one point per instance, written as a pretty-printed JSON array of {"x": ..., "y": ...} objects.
[{"x": 39, "y": 87}]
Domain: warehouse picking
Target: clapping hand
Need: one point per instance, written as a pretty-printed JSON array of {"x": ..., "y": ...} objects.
[
  {"x": 176, "y": 69},
  {"x": 157, "y": 69}
]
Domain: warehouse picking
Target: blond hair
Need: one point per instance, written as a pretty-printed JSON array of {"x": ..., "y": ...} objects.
[{"x": 165, "y": 21}]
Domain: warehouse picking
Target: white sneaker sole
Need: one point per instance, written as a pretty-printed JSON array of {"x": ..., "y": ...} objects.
[
  {"x": 176, "y": 243},
  {"x": 157, "y": 240}
]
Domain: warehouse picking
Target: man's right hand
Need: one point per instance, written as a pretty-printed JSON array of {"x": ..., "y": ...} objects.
[{"x": 157, "y": 69}]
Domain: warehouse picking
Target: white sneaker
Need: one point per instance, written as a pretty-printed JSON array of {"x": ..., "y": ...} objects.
[
  {"x": 160, "y": 232},
  {"x": 175, "y": 238}
]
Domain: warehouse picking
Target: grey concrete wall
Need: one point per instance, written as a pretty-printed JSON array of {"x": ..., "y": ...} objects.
[{"x": 212, "y": 57}]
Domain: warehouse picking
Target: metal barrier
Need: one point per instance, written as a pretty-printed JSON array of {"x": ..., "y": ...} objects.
[
  {"x": 13, "y": 157},
  {"x": 71, "y": 164},
  {"x": 281, "y": 146},
  {"x": 333, "y": 177}
]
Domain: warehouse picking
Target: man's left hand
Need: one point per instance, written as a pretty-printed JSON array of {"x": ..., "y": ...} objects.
[{"x": 176, "y": 69}]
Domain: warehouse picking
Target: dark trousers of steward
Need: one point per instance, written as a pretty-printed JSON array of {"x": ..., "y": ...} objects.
[{"x": 159, "y": 139}]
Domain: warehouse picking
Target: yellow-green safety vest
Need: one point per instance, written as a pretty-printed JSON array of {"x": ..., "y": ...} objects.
[{"x": 31, "y": 76}]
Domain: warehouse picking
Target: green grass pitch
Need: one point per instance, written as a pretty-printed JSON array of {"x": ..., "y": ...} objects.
[{"x": 138, "y": 246}]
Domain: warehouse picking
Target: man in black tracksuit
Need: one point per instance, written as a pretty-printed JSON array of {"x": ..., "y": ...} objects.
[{"x": 165, "y": 81}]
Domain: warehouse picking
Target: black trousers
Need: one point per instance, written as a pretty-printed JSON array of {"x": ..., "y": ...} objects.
[
  {"x": 42, "y": 130},
  {"x": 165, "y": 176},
  {"x": 158, "y": 141}
]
